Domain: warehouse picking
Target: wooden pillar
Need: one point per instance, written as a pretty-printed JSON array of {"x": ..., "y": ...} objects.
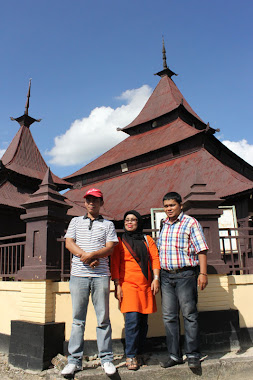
[
  {"x": 36, "y": 338},
  {"x": 202, "y": 204},
  {"x": 45, "y": 222}
]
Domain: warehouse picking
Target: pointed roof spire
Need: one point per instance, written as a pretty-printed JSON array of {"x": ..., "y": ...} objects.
[
  {"x": 164, "y": 57},
  {"x": 48, "y": 179},
  {"x": 47, "y": 192},
  {"x": 28, "y": 96},
  {"x": 26, "y": 120},
  {"x": 166, "y": 70}
]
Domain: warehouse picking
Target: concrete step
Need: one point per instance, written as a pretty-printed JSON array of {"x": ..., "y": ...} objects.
[
  {"x": 217, "y": 366},
  {"x": 213, "y": 370}
]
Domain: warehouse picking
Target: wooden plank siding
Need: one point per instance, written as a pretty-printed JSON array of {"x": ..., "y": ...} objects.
[{"x": 216, "y": 295}]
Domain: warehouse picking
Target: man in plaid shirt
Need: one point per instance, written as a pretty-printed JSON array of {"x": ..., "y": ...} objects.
[{"x": 182, "y": 250}]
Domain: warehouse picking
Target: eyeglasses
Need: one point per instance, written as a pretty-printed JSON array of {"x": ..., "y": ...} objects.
[{"x": 130, "y": 220}]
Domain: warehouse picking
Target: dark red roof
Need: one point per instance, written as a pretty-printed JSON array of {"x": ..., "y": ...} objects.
[
  {"x": 23, "y": 157},
  {"x": 76, "y": 209},
  {"x": 10, "y": 195},
  {"x": 142, "y": 143},
  {"x": 144, "y": 189},
  {"x": 165, "y": 98}
]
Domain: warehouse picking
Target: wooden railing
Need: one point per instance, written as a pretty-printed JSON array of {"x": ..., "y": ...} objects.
[
  {"x": 236, "y": 250},
  {"x": 12, "y": 251},
  {"x": 66, "y": 258}
]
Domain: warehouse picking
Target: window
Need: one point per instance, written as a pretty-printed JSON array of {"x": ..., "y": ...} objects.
[{"x": 124, "y": 167}]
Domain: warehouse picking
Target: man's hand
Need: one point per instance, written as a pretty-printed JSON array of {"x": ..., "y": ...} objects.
[
  {"x": 94, "y": 263},
  {"x": 91, "y": 257},
  {"x": 86, "y": 258},
  {"x": 202, "y": 281}
]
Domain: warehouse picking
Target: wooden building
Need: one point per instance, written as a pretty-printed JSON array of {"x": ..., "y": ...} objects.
[
  {"x": 168, "y": 148},
  {"x": 22, "y": 169}
]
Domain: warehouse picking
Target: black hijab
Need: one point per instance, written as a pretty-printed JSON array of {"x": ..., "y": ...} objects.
[{"x": 135, "y": 243}]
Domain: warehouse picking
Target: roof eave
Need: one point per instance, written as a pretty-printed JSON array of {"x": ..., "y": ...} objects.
[{"x": 181, "y": 108}]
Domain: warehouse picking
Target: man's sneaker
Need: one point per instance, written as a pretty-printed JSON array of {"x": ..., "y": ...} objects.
[
  {"x": 170, "y": 363},
  {"x": 194, "y": 363},
  {"x": 109, "y": 368},
  {"x": 70, "y": 369}
]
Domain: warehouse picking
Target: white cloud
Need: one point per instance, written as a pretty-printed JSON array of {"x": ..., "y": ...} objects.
[
  {"x": 242, "y": 148},
  {"x": 2, "y": 151},
  {"x": 93, "y": 135}
]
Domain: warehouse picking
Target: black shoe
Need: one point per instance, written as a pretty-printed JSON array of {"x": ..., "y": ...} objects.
[
  {"x": 170, "y": 363},
  {"x": 194, "y": 363}
]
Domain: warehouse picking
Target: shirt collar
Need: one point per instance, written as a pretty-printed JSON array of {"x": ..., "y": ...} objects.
[
  {"x": 179, "y": 218},
  {"x": 99, "y": 218}
]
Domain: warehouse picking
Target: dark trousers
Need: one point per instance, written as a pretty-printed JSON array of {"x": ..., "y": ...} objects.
[
  {"x": 179, "y": 291},
  {"x": 136, "y": 328}
]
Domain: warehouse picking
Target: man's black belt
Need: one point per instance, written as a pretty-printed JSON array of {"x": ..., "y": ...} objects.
[{"x": 174, "y": 271}]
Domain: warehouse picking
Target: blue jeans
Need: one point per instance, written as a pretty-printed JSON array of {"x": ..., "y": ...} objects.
[
  {"x": 136, "y": 328},
  {"x": 180, "y": 291},
  {"x": 80, "y": 289}
]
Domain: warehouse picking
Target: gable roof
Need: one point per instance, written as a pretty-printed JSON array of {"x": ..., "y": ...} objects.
[
  {"x": 139, "y": 144},
  {"x": 11, "y": 196},
  {"x": 23, "y": 157},
  {"x": 165, "y": 98},
  {"x": 144, "y": 189}
]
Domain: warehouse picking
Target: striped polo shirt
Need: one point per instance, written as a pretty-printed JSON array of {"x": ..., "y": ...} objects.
[
  {"x": 91, "y": 236},
  {"x": 180, "y": 242}
]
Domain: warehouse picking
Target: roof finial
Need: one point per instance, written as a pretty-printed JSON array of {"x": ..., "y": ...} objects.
[
  {"x": 164, "y": 57},
  {"x": 25, "y": 119},
  {"x": 166, "y": 71},
  {"x": 28, "y": 96}
]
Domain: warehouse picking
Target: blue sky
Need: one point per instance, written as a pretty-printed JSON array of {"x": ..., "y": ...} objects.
[{"x": 92, "y": 66}]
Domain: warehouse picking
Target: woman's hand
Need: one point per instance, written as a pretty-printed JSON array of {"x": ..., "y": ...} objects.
[
  {"x": 118, "y": 292},
  {"x": 155, "y": 286}
]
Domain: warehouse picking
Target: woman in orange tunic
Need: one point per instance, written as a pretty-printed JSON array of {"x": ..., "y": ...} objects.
[{"x": 132, "y": 263}]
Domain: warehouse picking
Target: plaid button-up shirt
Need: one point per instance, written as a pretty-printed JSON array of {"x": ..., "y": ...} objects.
[{"x": 180, "y": 242}]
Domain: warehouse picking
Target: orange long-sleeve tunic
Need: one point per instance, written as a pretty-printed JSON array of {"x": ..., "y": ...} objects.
[{"x": 137, "y": 294}]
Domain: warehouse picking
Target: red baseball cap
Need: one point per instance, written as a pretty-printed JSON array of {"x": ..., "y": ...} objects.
[{"x": 94, "y": 192}]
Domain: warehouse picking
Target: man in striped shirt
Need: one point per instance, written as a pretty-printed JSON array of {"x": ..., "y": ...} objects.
[
  {"x": 182, "y": 251},
  {"x": 90, "y": 239}
]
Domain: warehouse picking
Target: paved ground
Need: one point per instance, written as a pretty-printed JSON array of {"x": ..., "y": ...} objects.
[{"x": 217, "y": 366}]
